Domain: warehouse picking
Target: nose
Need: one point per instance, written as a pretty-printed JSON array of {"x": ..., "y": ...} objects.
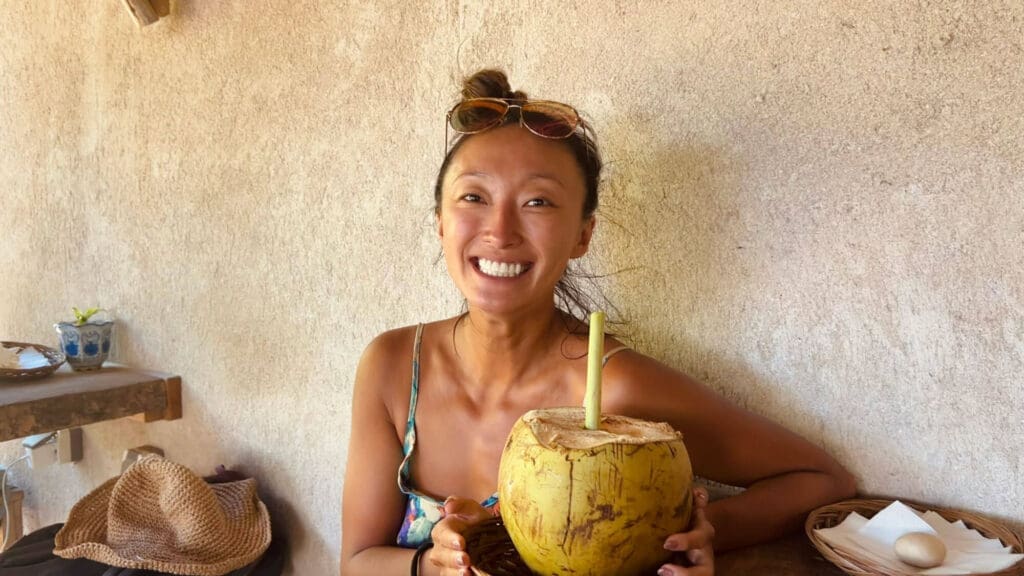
[{"x": 504, "y": 226}]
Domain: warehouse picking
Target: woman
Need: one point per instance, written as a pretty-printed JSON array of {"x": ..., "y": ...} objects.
[{"x": 515, "y": 201}]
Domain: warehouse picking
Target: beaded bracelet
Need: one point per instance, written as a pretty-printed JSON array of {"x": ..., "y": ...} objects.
[{"x": 416, "y": 557}]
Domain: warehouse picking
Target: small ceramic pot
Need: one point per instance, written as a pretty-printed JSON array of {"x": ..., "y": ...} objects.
[{"x": 87, "y": 346}]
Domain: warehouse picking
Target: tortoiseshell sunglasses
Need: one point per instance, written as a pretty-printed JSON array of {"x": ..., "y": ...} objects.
[{"x": 544, "y": 118}]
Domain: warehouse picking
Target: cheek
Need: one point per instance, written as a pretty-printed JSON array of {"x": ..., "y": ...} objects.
[
  {"x": 450, "y": 227},
  {"x": 453, "y": 232},
  {"x": 562, "y": 237}
]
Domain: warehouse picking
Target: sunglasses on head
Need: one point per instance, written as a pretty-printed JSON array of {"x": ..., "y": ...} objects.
[{"x": 544, "y": 118}]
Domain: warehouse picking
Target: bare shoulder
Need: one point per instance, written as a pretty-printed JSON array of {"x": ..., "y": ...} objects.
[
  {"x": 643, "y": 387},
  {"x": 386, "y": 364},
  {"x": 726, "y": 442},
  {"x": 386, "y": 347},
  {"x": 390, "y": 343}
]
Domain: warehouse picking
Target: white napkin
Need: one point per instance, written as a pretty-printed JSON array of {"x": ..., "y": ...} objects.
[
  {"x": 967, "y": 551},
  {"x": 26, "y": 359},
  {"x": 9, "y": 358}
]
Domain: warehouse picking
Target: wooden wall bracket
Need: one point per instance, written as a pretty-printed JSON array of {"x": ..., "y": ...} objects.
[
  {"x": 172, "y": 411},
  {"x": 146, "y": 12},
  {"x": 12, "y": 515}
]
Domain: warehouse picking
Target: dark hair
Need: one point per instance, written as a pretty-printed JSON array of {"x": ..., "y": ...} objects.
[{"x": 491, "y": 83}]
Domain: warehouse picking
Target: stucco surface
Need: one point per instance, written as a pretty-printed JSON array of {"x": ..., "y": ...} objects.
[{"x": 815, "y": 207}]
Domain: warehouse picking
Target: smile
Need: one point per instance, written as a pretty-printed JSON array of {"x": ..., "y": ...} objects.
[{"x": 501, "y": 269}]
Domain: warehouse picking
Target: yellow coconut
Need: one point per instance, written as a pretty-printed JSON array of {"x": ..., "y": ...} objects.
[{"x": 593, "y": 502}]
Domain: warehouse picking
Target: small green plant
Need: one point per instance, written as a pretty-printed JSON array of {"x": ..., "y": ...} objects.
[{"x": 83, "y": 317}]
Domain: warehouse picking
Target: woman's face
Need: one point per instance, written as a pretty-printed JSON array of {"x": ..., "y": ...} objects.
[{"x": 511, "y": 219}]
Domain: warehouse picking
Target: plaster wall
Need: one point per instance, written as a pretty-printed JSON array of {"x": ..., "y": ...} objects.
[{"x": 815, "y": 207}]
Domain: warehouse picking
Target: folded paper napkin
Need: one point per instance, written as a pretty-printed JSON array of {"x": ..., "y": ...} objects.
[
  {"x": 9, "y": 358},
  {"x": 967, "y": 551},
  {"x": 25, "y": 359}
]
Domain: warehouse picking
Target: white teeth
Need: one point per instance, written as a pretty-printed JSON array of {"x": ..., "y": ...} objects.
[{"x": 501, "y": 269}]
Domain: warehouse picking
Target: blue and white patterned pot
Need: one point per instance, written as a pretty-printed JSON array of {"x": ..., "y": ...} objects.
[{"x": 85, "y": 346}]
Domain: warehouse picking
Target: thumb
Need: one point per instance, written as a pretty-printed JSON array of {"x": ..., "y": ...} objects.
[{"x": 465, "y": 508}]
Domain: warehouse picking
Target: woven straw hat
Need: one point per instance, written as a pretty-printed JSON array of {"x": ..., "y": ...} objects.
[{"x": 159, "y": 515}]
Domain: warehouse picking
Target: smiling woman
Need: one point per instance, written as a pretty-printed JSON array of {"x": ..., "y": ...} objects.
[
  {"x": 511, "y": 218},
  {"x": 515, "y": 200}
]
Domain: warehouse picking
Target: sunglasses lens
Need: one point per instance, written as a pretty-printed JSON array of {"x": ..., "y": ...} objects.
[
  {"x": 474, "y": 116},
  {"x": 550, "y": 119}
]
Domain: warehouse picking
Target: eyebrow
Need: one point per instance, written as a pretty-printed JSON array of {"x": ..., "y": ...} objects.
[{"x": 534, "y": 176}]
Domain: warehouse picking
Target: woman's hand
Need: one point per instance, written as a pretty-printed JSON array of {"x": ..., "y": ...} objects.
[
  {"x": 449, "y": 551},
  {"x": 694, "y": 545}
]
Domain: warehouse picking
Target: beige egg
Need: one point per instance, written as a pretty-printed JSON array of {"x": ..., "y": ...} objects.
[{"x": 920, "y": 549}]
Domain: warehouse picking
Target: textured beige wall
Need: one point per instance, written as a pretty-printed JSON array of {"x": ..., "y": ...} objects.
[{"x": 816, "y": 207}]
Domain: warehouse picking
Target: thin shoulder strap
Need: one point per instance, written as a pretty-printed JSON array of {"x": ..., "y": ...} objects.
[
  {"x": 415, "y": 389},
  {"x": 613, "y": 352},
  {"x": 409, "y": 442}
]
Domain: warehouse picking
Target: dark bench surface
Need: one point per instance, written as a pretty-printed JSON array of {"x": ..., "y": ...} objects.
[{"x": 790, "y": 556}]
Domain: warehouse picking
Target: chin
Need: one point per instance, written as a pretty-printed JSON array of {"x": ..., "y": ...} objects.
[{"x": 494, "y": 308}]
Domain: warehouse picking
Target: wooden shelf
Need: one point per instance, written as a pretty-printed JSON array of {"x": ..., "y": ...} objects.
[{"x": 68, "y": 399}]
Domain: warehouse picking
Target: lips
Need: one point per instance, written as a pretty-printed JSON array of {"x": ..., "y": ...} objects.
[{"x": 499, "y": 269}]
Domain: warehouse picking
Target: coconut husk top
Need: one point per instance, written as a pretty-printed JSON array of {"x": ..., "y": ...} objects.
[
  {"x": 564, "y": 427},
  {"x": 579, "y": 502}
]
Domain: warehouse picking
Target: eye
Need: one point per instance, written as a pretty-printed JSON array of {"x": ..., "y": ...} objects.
[
  {"x": 538, "y": 202},
  {"x": 470, "y": 197}
]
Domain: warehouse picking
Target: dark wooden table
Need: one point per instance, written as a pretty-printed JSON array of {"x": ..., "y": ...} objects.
[{"x": 790, "y": 556}]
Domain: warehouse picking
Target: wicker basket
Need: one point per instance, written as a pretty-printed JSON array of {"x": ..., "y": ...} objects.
[
  {"x": 52, "y": 356},
  {"x": 491, "y": 552},
  {"x": 834, "y": 514}
]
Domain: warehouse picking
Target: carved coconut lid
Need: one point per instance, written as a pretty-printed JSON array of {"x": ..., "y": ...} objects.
[{"x": 564, "y": 427}]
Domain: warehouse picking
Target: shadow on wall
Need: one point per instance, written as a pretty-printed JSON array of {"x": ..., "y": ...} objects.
[
  {"x": 286, "y": 520},
  {"x": 674, "y": 238}
]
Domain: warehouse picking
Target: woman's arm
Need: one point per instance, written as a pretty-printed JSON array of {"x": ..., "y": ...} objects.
[
  {"x": 372, "y": 506},
  {"x": 785, "y": 476}
]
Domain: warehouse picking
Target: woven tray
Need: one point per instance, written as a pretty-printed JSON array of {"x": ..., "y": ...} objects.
[
  {"x": 491, "y": 552},
  {"x": 834, "y": 514},
  {"x": 54, "y": 358}
]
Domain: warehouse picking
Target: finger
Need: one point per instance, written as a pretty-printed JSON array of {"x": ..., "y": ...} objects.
[
  {"x": 466, "y": 508},
  {"x": 698, "y": 556},
  {"x": 700, "y": 535},
  {"x": 676, "y": 570},
  {"x": 703, "y": 527},
  {"x": 449, "y": 561},
  {"x": 700, "y": 497},
  {"x": 448, "y": 533}
]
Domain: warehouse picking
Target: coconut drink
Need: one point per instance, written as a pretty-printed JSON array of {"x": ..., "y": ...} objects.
[{"x": 589, "y": 494}]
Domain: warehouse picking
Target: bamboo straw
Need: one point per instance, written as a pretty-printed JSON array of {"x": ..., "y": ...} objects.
[{"x": 592, "y": 400}]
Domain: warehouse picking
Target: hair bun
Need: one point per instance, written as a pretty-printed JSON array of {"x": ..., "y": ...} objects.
[{"x": 489, "y": 83}]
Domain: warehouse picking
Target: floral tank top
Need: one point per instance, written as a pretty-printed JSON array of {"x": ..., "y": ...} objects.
[{"x": 422, "y": 511}]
